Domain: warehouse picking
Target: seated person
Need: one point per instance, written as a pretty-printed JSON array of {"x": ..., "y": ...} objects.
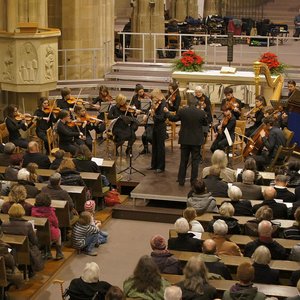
[
  {"x": 294, "y": 231},
  {"x": 88, "y": 284},
  {"x": 115, "y": 293},
  {"x": 293, "y": 172},
  {"x": 33, "y": 155},
  {"x": 146, "y": 281},
  {"x": 249, "y": 190},
  {"x": 200, "y": 199},
  {"x": 263, "y": 213},
  {"x": 244, "y": 288},
  {"x": 241, "y": 207},
  {"x": 212, "y": 260},
  {"x": 25, "y": 179},
  {"x": 195, "y": 284},
  {"x": 15, "y": 165},
  {"x": 59, "y": 155},
  {"x": 166, "y": 262},
  {"x": 250, "y": 164},
  {"x": 185, "y": 240},
  {"x": 214, "y": 183},
  {"x": 173, "y": 293},
  {"x": 8, "y": 149},
  {"x": 263, "y": 273},
  {"x": 33, "y": 175},
  {"x": 190, "y": 215},
  {"x": 17, "y": 194},
  {"x": 282, "y": 192},
  {"x": 223, "y": 244},
  {"x": 265, "y": 238},
  {"x": 219, "y": 158},
  {"x": 226, "y": 211}
]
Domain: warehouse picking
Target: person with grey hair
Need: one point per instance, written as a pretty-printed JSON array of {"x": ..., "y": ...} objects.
[
  {"x": 241, "y": 207},
  {"x": 191, "y": 138},
  {"x": 250, "y": 190},
  {"x": 173, "y": 293},
  {"x": 223, "y": 244},
  {"x": 265, "y": 231},
  {"x": 8, "y": 149},
  {"x": 24, "y": 179},
  {"x": 279, "y": 209},
  {"x": 283, "y": 193},
  {"x": 214, "y": 184},
  {"x": 185, "y": 240},
  {"x": 263, "y": 273},
  {"x": 88, "y": 284}
]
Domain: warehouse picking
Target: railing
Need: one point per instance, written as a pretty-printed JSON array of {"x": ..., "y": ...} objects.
[{"x": 208, "y": 46}]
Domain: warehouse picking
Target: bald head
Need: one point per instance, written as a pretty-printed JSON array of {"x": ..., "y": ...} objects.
[
  {"x": 265, "y": 229},
  {"x": 269, "y": 193},
  {"x": 209, "y": 247},
  {"x": 33, "y": 147}
]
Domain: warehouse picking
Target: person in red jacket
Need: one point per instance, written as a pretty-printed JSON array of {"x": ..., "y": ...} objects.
[{"x": 43, "y": 209}]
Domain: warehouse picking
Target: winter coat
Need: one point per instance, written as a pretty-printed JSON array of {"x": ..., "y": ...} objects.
[
  {"x": 166, "y": 262},
  {"x": 243, "y": 292},
  {"x": 71, "y": 177},
  {"x": 7, "y": 205},
  {"x": 202, "y": 203}
]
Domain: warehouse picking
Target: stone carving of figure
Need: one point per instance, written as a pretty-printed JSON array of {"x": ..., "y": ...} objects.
[
  {"x": 8, "y": 62},
  {"x": 29, "y": 65},
  {"x": 49, "y": 63}
]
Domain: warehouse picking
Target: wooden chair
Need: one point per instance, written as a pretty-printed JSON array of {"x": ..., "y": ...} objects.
[
  {"x": 238, "y": 143},
  {"x": 3, "y": 133},
  {"x": 52, "y": 138},
  {"x": 288, "y": 134},
  {"x": 173, "y": 40},
  {"x": 3, "y": 279},
  {"x": 282, "y": 156}
]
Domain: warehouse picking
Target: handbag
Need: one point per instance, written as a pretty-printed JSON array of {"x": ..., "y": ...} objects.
[{"x": 112, "y": 198}]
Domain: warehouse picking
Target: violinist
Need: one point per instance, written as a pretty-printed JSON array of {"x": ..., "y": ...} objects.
[
  {"x": 67, "y": 134},
  {"x": 231, "y": 102},
  {"x": 203, "y": 103},
  {"x": 173, "y": 97},
  {"x": 291, "y": 87},
  {"x": 228, "y": 123},
  {"x": 159, "y": 131},
  {"x": 103, "y": 96},
  {"x": 87, "y": 123},
  {"x": 14, "y": 122},
  {"x": 125, "y": 126},
  {"x": 65, "y": 96},
  {"x": 272, "y": 137},
  {"x": 45, "y": 120},
  {"x": 258, "y": 111},
  {"x": 139, "y": 96}
]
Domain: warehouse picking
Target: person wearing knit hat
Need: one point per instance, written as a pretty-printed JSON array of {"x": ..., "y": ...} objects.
[
  {"x": 165, "y": 261},
  {"x": 90, "y": 206}
]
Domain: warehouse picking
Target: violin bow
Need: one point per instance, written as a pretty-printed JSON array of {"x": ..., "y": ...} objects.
[
  {"x": 172, "y": 95},
  {"x": 51, "y": 109}
]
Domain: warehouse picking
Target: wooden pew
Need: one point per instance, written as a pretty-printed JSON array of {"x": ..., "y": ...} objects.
[
  {"x": 243, "y": 240},
  {"x": 280, "y": 291},
  {"x": 3, "y": 279},
  {"x": 42, "y": 226}
]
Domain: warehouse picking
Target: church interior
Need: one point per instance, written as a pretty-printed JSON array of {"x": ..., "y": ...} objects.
[{"x": 135, "y": 134}]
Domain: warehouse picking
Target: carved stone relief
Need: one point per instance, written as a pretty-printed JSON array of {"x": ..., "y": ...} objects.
[
  {"x": 29, "y": 63},
  {"x": 8, "y": 74},
  {"x": 49, "y": 63}
]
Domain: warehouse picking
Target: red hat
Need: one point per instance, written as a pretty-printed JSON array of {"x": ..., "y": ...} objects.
[
  {"x": 89, "y": 205},
  {"x": 158, "y": 242}
]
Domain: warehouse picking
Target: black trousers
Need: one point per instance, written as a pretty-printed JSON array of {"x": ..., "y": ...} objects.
[
  {"x": 43, "y": 136},
  {"x": 70, "y": 147},
  {"x": 20, "y": 142},
  {"x": 88, "y": 141},
  {"x": 186, "y": 151},
  {"x": 219, "y": 143},
  {"x": 158, "y": 147}
]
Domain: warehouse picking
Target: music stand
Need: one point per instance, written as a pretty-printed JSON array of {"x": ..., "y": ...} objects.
[
  {"x": 282, "y": 102},
  {"x": 145, "y": 104},
  {"x": 105, "y": 106}
]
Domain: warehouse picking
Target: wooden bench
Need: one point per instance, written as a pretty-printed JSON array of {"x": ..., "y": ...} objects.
[
  {"x": 280, "y": 291},
  {"x": 41, "y": 224},
  {"x": 3, "y": 279},
  {"x": 243, "y": 240}
]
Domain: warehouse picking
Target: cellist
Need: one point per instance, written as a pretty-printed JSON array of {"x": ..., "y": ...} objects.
[
  {"x": 228, "y": 123},
  {"x": 258, "y": 110}
]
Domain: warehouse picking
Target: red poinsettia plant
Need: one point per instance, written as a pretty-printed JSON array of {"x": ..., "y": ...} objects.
[
  {"x": 271, "y": 60},
  {"x": 189, "y": 62}
]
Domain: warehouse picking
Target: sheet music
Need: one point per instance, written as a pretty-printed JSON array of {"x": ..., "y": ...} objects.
[
  {"x": 228, "y": 137},
  {"x": 98, "y": 161}
]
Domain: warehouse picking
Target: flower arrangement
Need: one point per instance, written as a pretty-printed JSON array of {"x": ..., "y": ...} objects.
[
  {"x": 271, "y": 60},
  {"x": 189, "y": 62}
]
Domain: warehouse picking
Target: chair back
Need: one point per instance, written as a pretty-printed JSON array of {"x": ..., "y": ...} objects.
[
  {"x": 288, "y": 134},
  {"x": 240, "y": 127},
  {"x": 3, "y": 133},
  {"x": 52, "y": 139}
]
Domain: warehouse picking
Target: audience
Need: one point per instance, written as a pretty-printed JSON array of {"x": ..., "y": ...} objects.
[
  {"x": 33, "y": 176},
  {"x": 33, "y": 155},
  {"x": 265, "y": 239},
  {"x": 185, "y": 240},
  {"x": 165, "y": 260},
  {"x": 295, "y": 253},
  {"x": 263, "y": 213},
  {"x": 244, "y": 289},
  {"x": 42, "y": 209},
  {"x": 88, "y": 284},
  {"x": 249, "y": 190},
  {"x": 241, "y": 207},
  {"x": 219, "y": 159},
  {"x": 263, "y": 273},
  {"x": 190, "y": 215},
  {"x": 195, "y": 283},
  {"x": 214, "y": 183},
  {"x": 83, "y": 162},
  {"x": 25, "y": 179},
  {"x": 17, "y": 194},
  {"x": 296, "y": 204},
  {"x": 294, "y": 231},
  {"x": 226, "y": 211},
  {"x": 293, "y": 173},
  {"x": 146, "y": 281},
  {"x": 223, "y": 244},
  {"x": 59, "y": 156},
  {"x": 9, "y": 149},
  {"x": 14, "y": 166},
  {"x": 279, "y": 209},
  {"x": 212, "y": 260},
  {"x": 173, "y": 293},
  {"x": 200, "y": 199},
  {"x": 115, "y": 293},
  {"x": 282, "y": 192},
  {"x": 250, "y": 164}
]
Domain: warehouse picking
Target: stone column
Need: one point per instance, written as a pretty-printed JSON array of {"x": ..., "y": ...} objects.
[
  {"x": 213, "y": 7},
  {"x": 147, "y": 18},
  {"x": 12, "y": 15}
]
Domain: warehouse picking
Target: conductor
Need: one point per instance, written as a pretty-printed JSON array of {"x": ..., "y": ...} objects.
[{"x": 191, "y": 137}]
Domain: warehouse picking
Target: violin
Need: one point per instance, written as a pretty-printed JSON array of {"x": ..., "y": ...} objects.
[
  {"x": 74, "y": 101},
  {"x": 201, "y": 103},
  {"x": 156, "y": 104},
  {"x": 128, "y": 108},
  {"x": 89, "y": 119},
  {"x": 25, "y": 117},
  {"x": 47, "y": 110},
  {"x": 232, "y": 104}
]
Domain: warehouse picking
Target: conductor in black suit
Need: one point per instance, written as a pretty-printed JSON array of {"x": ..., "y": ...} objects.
[{"x": 191, "y": 137}]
